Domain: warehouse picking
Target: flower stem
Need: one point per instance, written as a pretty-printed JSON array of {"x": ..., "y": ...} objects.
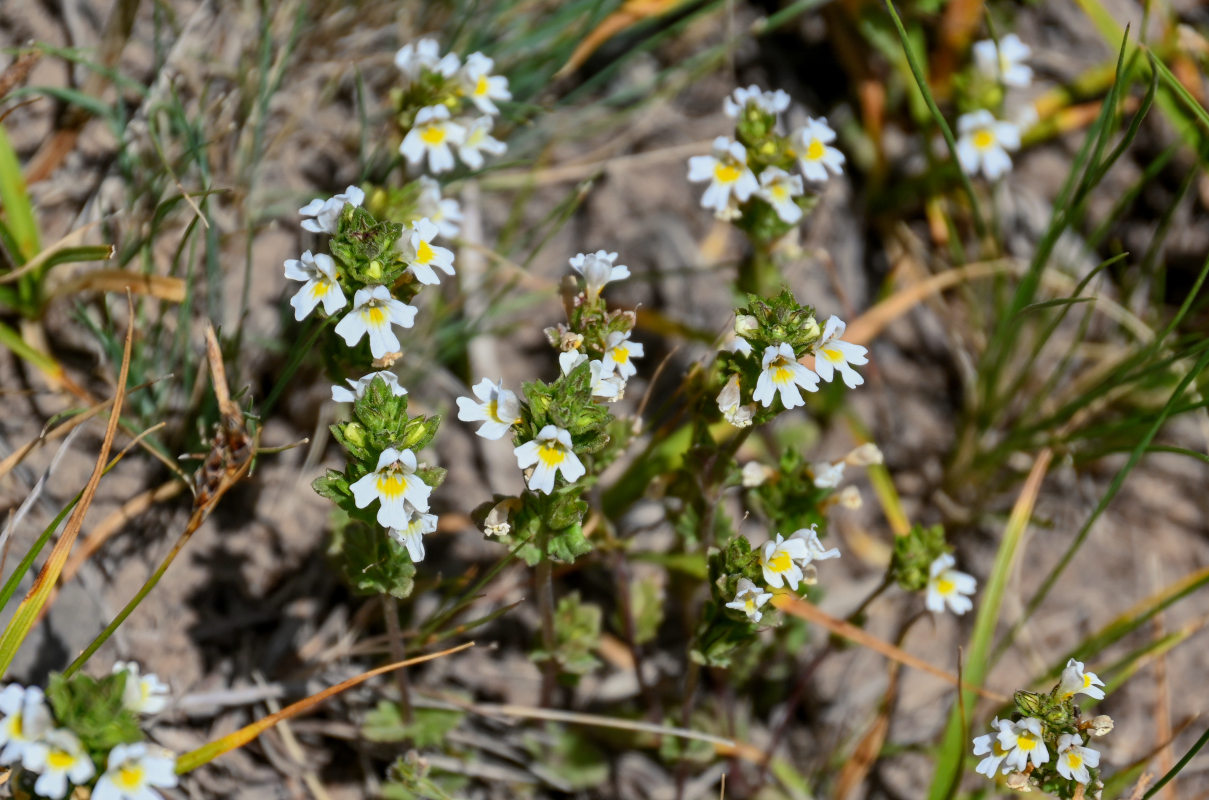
[
  {"x": 544, "y": 577},
  {"x": 390, "y": 610}
]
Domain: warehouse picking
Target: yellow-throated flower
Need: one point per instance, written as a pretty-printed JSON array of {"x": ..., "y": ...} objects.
[
  {"x": 989, "y": 746},
  {"x": 1004, "y": 62},
  {"x": 318, "y": 273},
  {"x": 497, "y": 408},
  {"x": 1073, "y": 759},
  {"x": 1076, "y": 681},
  {"x": 1024, "y": 742},
  {"x": 780, "y": 559},
  {"x": 134, "y": 772},
  {"x": 481, "y": 87},
  {"x": 374, "y": 312},
  {"x": 983, "y": 143},
  {"x": 411, "y": 535},
  {"x": 832, "y": 355},
  {"x": 727, "y": 172},
  {"x": 142, "y": 694},
  {"x": 782, "y": 373},
  {"x": 58, "y": 757},
  {"x": 947, "y": 586},
  {"x": 26, "y": 718},
  {"x": 816, "y": 156},
  {"x": 778, "y": 188},
  {"x": 619, "y": 353},
  {"x": 749, "y": 598},
  {"x": 478, "y": 140},
  {"x": 394, "y": 484},
  {"x": 431, "y": 135},
  {"x": 550, "y": 452},
  {"x": 421, "y": 255}
]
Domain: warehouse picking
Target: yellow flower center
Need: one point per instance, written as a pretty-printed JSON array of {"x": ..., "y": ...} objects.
[
  {"x": 779, "y": 192},
  {"x": 1026, "y": 743},
  {"x": 130, "y": 776},
  {"x": 780, "y": 562},
  {"x": 1086, "y": 681},
  {"x": 998, "y": 748},
  {"x": 391, "y": 486},
  {"x": 60, "y": 759},
  {"x": 16, "y": 724},
  {"x": 551, "y": 455},
  {"x": 749, "y": 605},
  {"x": 481, "y": 86},
  {"x": 945, "y": 586},
  {"x": 424, "y": 253},
  {"x": 1074, "y": 760},
  {"x": 320, "y": 289},
  {"x": 620, "y": 354},
  {"x": 493, "y": 410},
  {"x": 984, "y": 139},
  {"x": 815, "y": 150},
  {"x": 374, "y": 315},
  {"x": 433, "y": 135},
  {"x": 833, "y": 355},
  {"x": 726, "y": 173}
]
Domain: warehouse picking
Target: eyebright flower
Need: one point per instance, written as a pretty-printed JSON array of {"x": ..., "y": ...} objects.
[
  {"x": 568, "y": 360},
  {"x": 816, "y": 156},
  {"x": 814, "y": 551},
  {"x": 497, "y": 407},
  {"x": 431, "y": 135},
  {"x": 478, "y": 140},
  {"x": 597, "y": 270},
  {"x": 728, "y": 404},
  {"x": 552, "y": 451},
  {"x": 1024, "y": 742},
  {"x": 413, "y": 57},
  {"x": 864, "y": 455},
  {"x": 755, "y": 474},
  {"x": 782, "y": 373},
  {"x": 480, "y": 86},
  {"x": 727, "y": 171},
  {"x": 769, "y": 102},
  {"x": 850, "y": 498},
  {"x": 827, "y": 475},
  {"x": 831, "y": 355},
  {"x": 1004, "y": 62},
  {"x": 26, "y": 718},
  {"x": 374, "y": 311},
  {"x": 989, "y": 745},
  {"x": 411, "y": 535},
  {"x": 778, "y": 188},
  {"x": 326, "y": 213},
  {"x": 749, "y": 599},
  {"x": 142, "y": 694},
  {"x": 133, "y": 769},
  {"x": 779, "y": 559},
  {"x": 1073, "y": 758},
  {"x": 422, "y": 255},
  {"x": 1075, "y": 681},
  {"x": 394, "y": 484},
  {"x": 444, "y": 212},
  {"x": 948, "y": 586},
  {"x": 318, "y": 271},
  {"x": 59, "y": 757},
  {"x": 610, "y": 388},
  {"x": 618, "y": 354},
  {"x": 983, "y": 143},
  {"x": 358, "y": 387}
]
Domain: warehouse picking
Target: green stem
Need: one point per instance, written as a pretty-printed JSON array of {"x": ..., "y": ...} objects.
[
  {"x": 544, "y": 577},
  {"x": 390, "y": 611}
]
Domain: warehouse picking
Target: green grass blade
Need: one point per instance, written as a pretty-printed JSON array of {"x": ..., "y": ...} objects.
[
  {"x": 1183, "y": 762},
  {"x": 14, "y": 200}
]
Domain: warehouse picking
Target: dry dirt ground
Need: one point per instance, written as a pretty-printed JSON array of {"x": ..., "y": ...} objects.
[{"x": 253, "y": 614}]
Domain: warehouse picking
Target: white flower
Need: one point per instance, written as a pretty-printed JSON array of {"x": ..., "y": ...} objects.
[
  {"x": 133, "y": 769},
  {"x": 769, "y": 102},
  {"x": 26, "y": 718},
  {"x": 411, "y": 535},
  {"x": 1023, "y": 741},
  {"x": 326, "y": 213},
  {"x": 607, "y": 387},
  {"x": 395, "y": 484},
  {"x": 827, "y": 475},
  {"x": 374, "y": 311},
  {"x": 864, "y": 455},
  {"x": 782, "y": 373},
  {"x": 1073, "y": 758},
  {"x": 831, "y": 355},
  {"x": 568, "y": 360},
  {"x": 727, "y": 173},
  {"x": 318, "y": 272},
  {"x": 597, "y": 270},
  {"x": 478, "y": 140},
  {"x": 1005, "y": 62},
  {"x": 444, "y": 212},
  {"x": 1075, "y": 681},
  {"x": 358, "y": 387},
  {"x": 552, "y": 452},
  {"x": 780, "y": 559},
  {"x": 480, "y": 86},
  {"x": 850, "y": 497},
  {"x": 422, "y": 255},
  {"x": 497, "y": 407},
  {"x": 816, "y": 156},
  {"x": 412, "y": 58},
  {"x": 778, "y": 188},
  {"x": 728, "y": 403},
  {"x": 60, "y": 758},
  {"x": 749, "y": 599},
  {"x": 737, "y": 344},
  {"x": 755, "y": 474},
  {"x": 142, "y": 694},
  {"x": 814, "y": 551},
  {"x": 947, "y": 585},
  {"x": 983, "y": 142},
  {"x": 988, "y": 745},
  {"x": 431, "y": 135},
  {"x": 618, "y": 354}
]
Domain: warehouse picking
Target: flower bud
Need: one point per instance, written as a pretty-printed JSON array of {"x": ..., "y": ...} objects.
[
  {"x": 755, "y": 474},
  {"x": 850, "y": 497},
  {"x": 746, "y": 324},
  {"x": 374, "y": 271},
  {"x": 355, "y": 434},
  {"x": 866, "y": 454},
  {"x": 1018, "y": 781},
  {"x": 1100, "y": 726}
]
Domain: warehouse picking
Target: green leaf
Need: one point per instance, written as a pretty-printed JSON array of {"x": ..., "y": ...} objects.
[{"x": 428, "y": 728}]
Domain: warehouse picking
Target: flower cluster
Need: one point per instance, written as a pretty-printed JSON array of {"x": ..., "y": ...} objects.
[
  {"x": 923, "y": 562},
  {"x": 448, "y": 105},
  {"x": 782, "y": 333},
  {"x": 750, "y": 178},
  {"x": 84, "y": 732},
  {"x": 984, "y": 140},
  {"x": 1044, "y": 746}
]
